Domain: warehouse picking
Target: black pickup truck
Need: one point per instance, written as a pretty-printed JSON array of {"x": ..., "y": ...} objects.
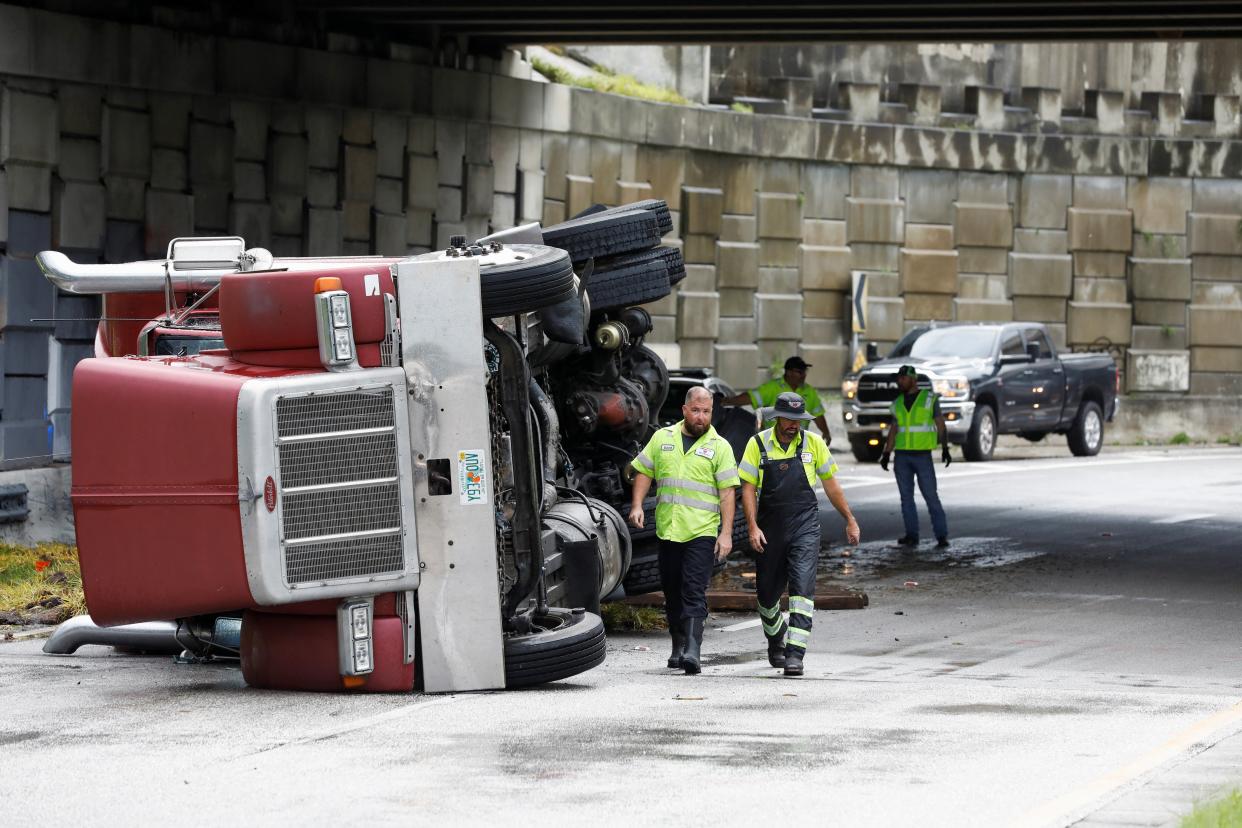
[{"x": 992, "y": 379}]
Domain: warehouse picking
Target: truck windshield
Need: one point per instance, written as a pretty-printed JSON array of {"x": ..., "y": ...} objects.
[{"x": 962, "y": 343}]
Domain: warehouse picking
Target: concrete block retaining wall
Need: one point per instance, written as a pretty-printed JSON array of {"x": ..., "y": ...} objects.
[{"x": 1120, "y": 232}]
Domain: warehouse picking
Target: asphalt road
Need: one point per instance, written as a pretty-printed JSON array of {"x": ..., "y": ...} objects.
[{"x": 1074, "y": 657}]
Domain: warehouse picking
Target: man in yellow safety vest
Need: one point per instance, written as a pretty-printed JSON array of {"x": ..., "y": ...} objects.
[
  {"x": 779, "y": 470},
  {"x": 917, "y": 428},
  {"x": 695, "y": 477}
]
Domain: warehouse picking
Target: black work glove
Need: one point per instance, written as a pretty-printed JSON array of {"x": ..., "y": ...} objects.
[
  {"x": 884, "y": 461},
  {"x": 945, "y": 456}
]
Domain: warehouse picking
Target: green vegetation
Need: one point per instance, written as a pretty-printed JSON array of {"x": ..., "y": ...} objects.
[
  {"x": 620, "y": 617},
  {"x": 738, "y": 106},
  {"x": 1181, "y": 438},
  {"x": 41, "y": 585},
  {"x": 1230, "y": 439},
  {"x": 606, "y": 81},
  {"x": 1225, "y": 812}
]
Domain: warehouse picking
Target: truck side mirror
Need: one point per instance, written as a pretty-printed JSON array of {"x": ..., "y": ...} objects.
[
  {"x": 1032, "y": 350},
  {"x": 873, "y": 353}
]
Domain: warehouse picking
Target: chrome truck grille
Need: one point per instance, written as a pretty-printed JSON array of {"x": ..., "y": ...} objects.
[
  {"x": 339, "y": 485},
  {"x": 877, "y": 388}
]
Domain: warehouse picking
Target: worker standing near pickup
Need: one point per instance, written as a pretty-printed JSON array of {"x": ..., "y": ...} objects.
[
  {"x": 917, "y": 428},
  {"x": 695, "y": 478},
  {"x": 778, "y": 471},
  {"x": 793, "y": 380}
]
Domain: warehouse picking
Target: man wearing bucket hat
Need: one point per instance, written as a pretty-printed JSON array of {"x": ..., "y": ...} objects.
[
  {"x": 917, "y": 428},
  {"x": 794, "y": 379},
  {"x": 778, "y": 471}
]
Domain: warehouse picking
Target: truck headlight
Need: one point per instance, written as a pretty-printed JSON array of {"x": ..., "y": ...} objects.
[
  {"x": 952, "y": 388},
  {"x": 849, "y": 388}
]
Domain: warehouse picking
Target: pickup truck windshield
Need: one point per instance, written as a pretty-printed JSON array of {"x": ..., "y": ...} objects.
[{"x": 963, "y": 343}]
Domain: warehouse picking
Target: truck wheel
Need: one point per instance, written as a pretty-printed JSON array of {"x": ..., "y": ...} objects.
[
  {"x": 629, "y": 280},
  {"x": 544, "y": 279},
  {"x": 644, "y": 573},
  {"x": 605, "y": 234},
  {"x": 568, "y": 642},
  {"x": 1087, "y": 435},
  {"x": 657, "y": 206},
  {"x": 981, "y": 440},
  {"x": 741, "y": 535},
  {"x": 863, "y": 451}
]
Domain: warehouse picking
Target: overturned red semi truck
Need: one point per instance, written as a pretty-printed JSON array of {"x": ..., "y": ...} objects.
[{"x": 363, "y": 457}]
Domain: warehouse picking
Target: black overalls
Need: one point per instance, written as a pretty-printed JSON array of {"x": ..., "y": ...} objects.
[{"x": 789, "y": 518}]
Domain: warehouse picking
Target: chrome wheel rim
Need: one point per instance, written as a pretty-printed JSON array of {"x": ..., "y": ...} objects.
[
  {"x": 987, "y": 435},
  {"x": 1091, "y": 430}
]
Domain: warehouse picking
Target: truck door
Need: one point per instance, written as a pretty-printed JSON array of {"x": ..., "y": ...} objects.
[
  {"x": 1047, "y": 381},
  {"x": 1015, "y": 386}
]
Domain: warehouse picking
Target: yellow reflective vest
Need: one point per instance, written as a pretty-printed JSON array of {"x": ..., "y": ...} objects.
[
  {"x": 688, "y": 483},
  {"x": 916, "y": 426}
]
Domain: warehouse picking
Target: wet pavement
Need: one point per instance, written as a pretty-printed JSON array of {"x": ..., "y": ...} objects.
[{"x": 1073, "y": 657}]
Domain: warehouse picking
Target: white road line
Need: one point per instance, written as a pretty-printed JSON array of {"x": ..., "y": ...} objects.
[
  {"x": 949, "y": 475},
  {"x": 744, "y": 625},
  {"x": 1185, "y": 518},
  {"x": 1077, "y": 803}
]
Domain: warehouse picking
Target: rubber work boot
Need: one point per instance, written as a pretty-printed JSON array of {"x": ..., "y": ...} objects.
[
  {"x": 793, "y": 662},
  {"x": 693, "y": 628},
  {"x": 776, "y": 651},
  {"x": 679, "y": 647},
  {"x": 942, "y": 543},
  {"x": 907, "y": 540}
]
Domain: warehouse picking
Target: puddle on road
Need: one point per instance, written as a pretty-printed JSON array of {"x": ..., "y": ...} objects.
[{"x": 847, "y": 565}]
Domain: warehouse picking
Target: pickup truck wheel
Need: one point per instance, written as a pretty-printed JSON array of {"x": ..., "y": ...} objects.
[
  {"x": 544, "y": 279},
  {"x": 863, "y": 451},
  {"x": 981, "y": 440},
  {"x": 565, "y": 643},
  {"x": 1087, "y": 435},
  {"x": 605, "y": 234}
]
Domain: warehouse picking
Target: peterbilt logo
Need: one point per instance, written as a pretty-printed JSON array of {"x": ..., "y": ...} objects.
[{"x": 269, "y": 494}]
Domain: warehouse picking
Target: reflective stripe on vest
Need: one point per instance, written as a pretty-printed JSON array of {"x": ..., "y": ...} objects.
[{"x": 916, "y": 427}]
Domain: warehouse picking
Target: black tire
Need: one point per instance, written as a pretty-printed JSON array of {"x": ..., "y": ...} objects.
[
  {"x": 1086, "y": 437},
  {"x": 741, "y": 534},
  {"x": 546, "y": 278},
  {"x": 643, "y": 576},
  {"x": 657, "y": 206},
  {"x": 675, "y": 262},
  {"x": 633, "y": 279},
  {"x": 1033, "y": 436},
  {"x": 570, "y": 642},
  {"x": 981, "y": 439},
  {"x": 605, "y": 234},
  {"x": 864, "y": 452}
]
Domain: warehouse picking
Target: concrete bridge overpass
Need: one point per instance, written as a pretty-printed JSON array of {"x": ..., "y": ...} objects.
[{"x": 480, "y": 23}]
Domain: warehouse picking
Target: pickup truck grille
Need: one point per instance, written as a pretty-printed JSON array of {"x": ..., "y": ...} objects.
[
  {"x": 339, "y": 490},
  {"x": 877, "y": 388}
]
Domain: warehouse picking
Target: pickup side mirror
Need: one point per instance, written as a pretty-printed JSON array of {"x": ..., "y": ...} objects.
[
  {"x": 1032, "y": 351},
  {"x": 873, "y": 352}
]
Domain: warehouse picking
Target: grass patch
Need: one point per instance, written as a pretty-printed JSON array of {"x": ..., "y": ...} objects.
[
  {"x": 620, "y": 617},
  {"x": 626, "y": 85},
  {"x": 1225, "y": 812},
  {"x": 1230, "y": 439},
  {"x": 1181, "y": 438},
  {"x": 42, "y": 585},
  {"x": 744, "y": 108}
]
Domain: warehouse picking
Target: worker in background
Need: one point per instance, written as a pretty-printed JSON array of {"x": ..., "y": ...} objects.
[
  {"x": 916, "y": 430},
  {"x": 778, "y": 470},
  {"x": 794, "y": 379},
  {"x": 695, "y": 478}
]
